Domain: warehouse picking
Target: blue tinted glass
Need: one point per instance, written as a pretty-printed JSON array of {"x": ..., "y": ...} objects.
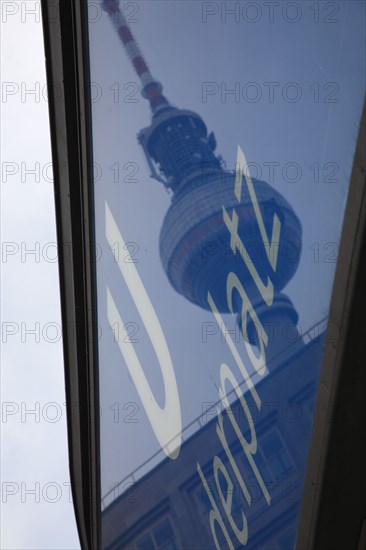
[{"x": 223, "y": 140}]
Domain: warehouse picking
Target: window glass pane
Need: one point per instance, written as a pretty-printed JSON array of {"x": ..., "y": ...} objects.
[{"x": 222, "y": 167}]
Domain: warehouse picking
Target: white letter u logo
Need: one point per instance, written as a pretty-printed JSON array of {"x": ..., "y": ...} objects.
[{"x": 166, "y": 422}]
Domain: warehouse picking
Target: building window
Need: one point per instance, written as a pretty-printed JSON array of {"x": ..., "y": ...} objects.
[
  {"x": 276, "y": 456},
  {"x": 273, "y": 461},
  {"x": 159, "y": 537}
]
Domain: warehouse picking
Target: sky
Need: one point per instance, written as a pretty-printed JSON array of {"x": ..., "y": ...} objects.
[
  {"x": 310, "y": 51},
  {"x": 33, "y": 445}
]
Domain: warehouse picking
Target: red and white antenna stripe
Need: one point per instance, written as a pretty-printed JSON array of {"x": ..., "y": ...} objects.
[{"x": 151, "y": 88}]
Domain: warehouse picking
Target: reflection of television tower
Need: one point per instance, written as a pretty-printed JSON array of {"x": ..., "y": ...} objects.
[{"x": 194, "y": 241}]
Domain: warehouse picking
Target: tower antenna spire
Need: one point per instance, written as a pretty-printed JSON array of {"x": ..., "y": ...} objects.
[{"x": 151, "y": 88}]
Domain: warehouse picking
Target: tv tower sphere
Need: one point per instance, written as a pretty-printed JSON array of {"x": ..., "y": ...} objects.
[{"x": 194, "y": 240}]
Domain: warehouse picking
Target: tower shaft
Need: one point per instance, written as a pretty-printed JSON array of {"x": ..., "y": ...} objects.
[{"x": 151, "y": 88}]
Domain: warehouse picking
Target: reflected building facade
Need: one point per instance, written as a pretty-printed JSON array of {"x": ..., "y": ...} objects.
[{"x": 168, "y": 508}]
